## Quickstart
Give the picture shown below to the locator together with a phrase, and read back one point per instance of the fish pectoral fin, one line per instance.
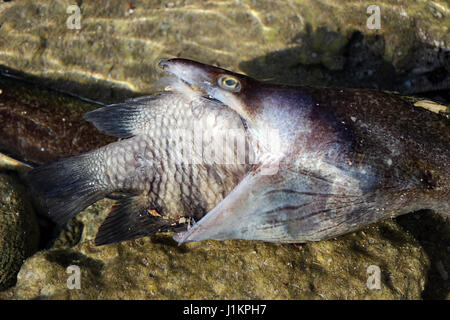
(284, 207)
(218, 223)
(129, 219)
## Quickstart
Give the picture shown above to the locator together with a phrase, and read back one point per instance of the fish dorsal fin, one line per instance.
(288, 206)
(128, 119)
(130, 219)
(140, 116)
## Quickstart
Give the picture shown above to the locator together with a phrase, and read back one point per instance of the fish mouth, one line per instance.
(200, 78)
(197, 76)
(204, 79)
(190, 72)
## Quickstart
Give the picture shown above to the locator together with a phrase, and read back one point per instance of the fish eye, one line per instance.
(229, 83)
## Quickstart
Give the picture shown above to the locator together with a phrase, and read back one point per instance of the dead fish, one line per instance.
(324, 161)
(165, 172)
(328, 160)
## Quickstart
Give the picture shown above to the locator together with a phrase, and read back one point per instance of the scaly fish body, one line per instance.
(165, 171)
(324, 162)
(329, 161)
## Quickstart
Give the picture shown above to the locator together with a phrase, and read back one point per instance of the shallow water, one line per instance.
(113, 57)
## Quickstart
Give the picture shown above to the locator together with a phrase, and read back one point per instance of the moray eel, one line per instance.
(313, 163)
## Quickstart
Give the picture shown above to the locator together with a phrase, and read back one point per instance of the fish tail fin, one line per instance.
(67, 186)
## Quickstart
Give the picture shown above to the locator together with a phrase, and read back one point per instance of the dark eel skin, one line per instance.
(40, 125)
(328, 161)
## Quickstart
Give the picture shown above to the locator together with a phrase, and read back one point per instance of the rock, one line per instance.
(114, 52)
(432, 231)
(19, 231)
(7, 294)
(84, 226)
(113, 57)
(157, 268)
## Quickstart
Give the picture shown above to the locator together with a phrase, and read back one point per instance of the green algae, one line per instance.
(118, 48)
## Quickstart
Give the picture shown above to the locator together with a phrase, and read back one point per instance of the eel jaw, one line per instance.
(179, 236)
(199, 78)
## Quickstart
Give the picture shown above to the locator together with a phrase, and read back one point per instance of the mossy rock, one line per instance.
(114, 53)
(19, 231)
(157, 268)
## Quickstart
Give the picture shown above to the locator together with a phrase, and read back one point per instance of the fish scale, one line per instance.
(160, 188)
(149, 164)
(319, 162)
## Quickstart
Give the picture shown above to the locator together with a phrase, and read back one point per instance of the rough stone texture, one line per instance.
(156, 268)
(19, 233)
(84, 226)
(321, 42)
(114, 53)
(432, 231)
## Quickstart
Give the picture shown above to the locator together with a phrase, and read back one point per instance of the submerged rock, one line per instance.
(156, 268)
(84, 226)
(113, 53)
(112, 57)
(19, 232)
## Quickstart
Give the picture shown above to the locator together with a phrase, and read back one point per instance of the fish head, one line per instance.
(293, 185)
(273, 114)
(232, 89)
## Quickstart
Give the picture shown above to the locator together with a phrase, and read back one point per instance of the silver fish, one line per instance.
(173, 167)
(319, 162)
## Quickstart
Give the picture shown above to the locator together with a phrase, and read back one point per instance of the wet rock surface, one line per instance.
(113, 56)
(156, 268)
(19, 233)
(114, 52)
